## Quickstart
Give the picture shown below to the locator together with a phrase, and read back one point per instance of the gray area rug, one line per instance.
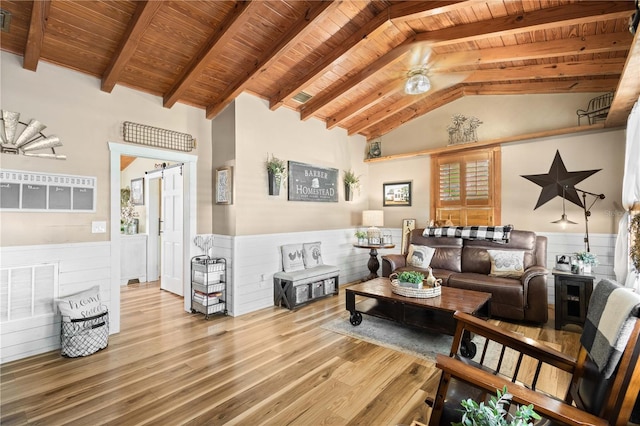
(389, 334)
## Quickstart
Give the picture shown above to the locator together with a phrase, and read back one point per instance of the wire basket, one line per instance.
(84, 336)
(421, 293)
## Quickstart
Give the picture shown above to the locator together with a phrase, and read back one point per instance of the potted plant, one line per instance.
(351, 183)
(412, 279)
(361, 236)
(494, 412)
(587, 260)
(277, 172)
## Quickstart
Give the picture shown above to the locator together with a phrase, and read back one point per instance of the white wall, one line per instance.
(261, 132)
(74, 108)
(501, 116)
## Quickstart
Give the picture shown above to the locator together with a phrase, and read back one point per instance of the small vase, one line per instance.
(274, 183)
(348, 193)
(587, 269)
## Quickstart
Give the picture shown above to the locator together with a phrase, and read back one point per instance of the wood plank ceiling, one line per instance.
(352, 57)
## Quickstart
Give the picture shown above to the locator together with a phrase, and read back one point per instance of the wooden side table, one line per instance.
(374, 263)
(573, 292)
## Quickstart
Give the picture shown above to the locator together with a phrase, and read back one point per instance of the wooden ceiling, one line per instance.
(352, 57)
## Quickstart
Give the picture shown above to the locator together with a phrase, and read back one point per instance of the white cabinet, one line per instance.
(133, 258)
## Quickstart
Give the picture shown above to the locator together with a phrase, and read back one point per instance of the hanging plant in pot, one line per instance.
(351, 184)
(277, 172)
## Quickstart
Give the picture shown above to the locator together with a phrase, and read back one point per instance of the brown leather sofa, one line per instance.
(464, 263)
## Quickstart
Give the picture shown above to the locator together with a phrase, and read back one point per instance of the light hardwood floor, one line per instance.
(276, 367)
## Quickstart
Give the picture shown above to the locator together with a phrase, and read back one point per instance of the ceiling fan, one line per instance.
(420, 78)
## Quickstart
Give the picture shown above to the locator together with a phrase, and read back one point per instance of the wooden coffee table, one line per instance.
(434, 314)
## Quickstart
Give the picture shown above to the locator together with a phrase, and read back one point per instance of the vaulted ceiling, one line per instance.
(350, 58)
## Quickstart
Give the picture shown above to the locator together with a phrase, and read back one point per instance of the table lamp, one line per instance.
(373, 219)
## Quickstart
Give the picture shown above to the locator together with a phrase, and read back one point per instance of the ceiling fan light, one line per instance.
(416, 84)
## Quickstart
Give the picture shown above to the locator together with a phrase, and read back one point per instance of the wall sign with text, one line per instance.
(32, 191)
(311, 183)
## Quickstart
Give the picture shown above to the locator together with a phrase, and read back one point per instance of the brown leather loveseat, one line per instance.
(465, 263)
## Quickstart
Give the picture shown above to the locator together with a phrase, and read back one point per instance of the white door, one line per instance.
(171, 275)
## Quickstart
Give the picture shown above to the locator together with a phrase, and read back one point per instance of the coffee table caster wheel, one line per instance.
(468, 350)
(355, 318)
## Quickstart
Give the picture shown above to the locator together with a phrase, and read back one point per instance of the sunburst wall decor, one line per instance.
(27, 139)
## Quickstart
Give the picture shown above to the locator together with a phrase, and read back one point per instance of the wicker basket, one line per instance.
(421, 293)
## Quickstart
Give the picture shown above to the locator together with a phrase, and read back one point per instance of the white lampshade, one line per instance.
(372, 218)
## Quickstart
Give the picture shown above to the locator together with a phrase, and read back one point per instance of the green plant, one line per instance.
(494, 412)
(276, 166)
(634, 250)
(351, 179)
(411, 277)
(360, 234)
(587, 258)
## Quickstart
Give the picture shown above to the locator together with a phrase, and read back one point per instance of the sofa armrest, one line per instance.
(391, 262)
(534, 287)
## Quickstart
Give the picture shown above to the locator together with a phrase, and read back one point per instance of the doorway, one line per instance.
(188, 211)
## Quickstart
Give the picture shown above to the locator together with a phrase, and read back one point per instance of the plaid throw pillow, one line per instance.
(497, 234)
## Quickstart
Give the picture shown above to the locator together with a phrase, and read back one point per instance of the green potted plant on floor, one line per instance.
(351, 184)
(277, 172)
(494, 413)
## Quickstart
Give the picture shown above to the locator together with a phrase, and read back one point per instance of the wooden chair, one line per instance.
(590, 399)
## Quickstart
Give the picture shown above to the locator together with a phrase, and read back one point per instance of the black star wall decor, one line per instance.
(558, 178)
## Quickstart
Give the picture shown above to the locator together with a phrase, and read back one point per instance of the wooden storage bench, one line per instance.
(292, 289)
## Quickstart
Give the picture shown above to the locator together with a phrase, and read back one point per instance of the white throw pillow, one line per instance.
(292, 259)
(81, 305)
(506, 263)
(420, 256)
(312, 254)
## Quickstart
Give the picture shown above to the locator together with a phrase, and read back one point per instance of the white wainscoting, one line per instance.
(603, 245)
(80, 266)
(257, 257)
(251, 260)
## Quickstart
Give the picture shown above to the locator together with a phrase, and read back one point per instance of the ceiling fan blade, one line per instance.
(443, 81)
(419, 56)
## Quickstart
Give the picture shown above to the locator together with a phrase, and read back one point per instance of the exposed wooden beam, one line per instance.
(560, 70)
(602, 43)
(286, 42)
(318, 102)
(400, 11)
(367, 102)
(531, 21)
(628, 89)
(543, 87)
(378, 24)
(544, 19)
(401, 116)
(410, 10)
(140, 21)
(35, 37)
(235, 22)
(394, 121)
(400, 104)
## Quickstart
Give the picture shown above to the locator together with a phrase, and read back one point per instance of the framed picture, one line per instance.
(408, 225)
(396, 194)
(224, 185)
(374, 150)
(137, 192)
